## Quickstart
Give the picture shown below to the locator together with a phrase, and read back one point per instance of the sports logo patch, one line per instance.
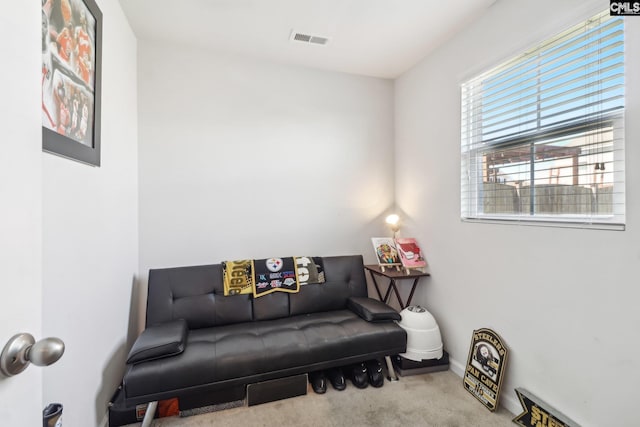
(274, 264)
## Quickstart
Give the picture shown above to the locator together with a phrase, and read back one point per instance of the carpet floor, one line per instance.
(431, 400)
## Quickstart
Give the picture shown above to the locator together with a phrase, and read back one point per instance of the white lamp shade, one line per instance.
(393, 221)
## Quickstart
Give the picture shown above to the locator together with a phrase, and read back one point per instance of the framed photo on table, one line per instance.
(71, 79)
(386, 252)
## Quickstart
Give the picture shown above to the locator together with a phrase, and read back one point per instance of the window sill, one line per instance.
(558, 223)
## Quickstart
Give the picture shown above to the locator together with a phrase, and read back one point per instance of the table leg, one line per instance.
(395, 290)
(375, 283)
(387, 294)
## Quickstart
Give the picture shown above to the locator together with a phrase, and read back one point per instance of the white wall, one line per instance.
(564, 300)
(20, 204)
(90, 242)
(247, 159)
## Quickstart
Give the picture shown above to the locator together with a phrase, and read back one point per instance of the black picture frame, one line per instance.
(72, 79)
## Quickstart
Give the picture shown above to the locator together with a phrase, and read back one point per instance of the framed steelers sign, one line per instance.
(485, 366)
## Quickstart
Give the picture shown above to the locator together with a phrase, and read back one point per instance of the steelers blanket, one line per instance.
(274, 274)
(237, 277)
(309, 270)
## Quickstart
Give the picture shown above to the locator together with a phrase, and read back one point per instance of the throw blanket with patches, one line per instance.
(309, 270)
(237, 277)
(274, 274)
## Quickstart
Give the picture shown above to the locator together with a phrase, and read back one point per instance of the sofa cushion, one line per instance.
(344, 278)
(271, 306)
(250, 349)
(195, 294)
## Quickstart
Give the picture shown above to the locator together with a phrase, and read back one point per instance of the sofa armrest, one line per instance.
(158, 341)
(372, 310)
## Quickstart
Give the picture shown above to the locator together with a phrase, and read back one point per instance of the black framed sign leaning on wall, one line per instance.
(71, 79)
(485, 367)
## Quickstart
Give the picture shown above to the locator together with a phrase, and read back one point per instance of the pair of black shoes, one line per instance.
(365, 373)
(318, 380)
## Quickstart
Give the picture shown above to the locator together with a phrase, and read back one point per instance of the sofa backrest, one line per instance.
(196, 294)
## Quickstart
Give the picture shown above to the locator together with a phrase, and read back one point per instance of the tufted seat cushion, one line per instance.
(246, 351)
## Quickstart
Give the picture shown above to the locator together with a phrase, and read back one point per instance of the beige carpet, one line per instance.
(430, 400)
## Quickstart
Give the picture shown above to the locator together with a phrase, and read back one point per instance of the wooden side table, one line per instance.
(393, 275)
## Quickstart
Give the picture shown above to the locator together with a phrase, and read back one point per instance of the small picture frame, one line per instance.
(72, 79)
(386, 253)
(411, 255)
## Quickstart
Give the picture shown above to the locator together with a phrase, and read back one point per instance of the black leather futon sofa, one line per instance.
(199, 341)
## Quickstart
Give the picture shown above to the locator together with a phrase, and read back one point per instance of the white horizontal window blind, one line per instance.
(543, 133)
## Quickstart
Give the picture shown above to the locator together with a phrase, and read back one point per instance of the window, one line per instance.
(543, 133)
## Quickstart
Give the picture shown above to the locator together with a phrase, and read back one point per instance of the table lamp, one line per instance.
(393, 221)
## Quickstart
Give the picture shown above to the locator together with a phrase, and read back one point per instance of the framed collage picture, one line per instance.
(386, 252)
(71, 79)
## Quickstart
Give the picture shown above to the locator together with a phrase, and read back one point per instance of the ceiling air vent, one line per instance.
(308, 38)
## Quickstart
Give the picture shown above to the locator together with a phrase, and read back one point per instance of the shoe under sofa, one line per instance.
(361, 375)
(201, 343)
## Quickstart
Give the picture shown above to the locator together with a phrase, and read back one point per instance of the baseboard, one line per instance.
(456, 367)
(508, 399)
